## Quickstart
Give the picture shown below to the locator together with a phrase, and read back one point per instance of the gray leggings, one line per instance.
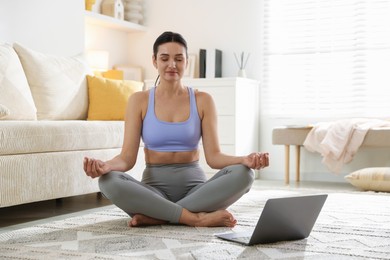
(166, 189)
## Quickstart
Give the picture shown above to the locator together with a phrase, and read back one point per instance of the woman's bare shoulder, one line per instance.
(139, 96)
(202, 96)
(204, 102)
(138, 102)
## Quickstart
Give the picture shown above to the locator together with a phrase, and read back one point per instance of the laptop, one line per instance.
(282, 219)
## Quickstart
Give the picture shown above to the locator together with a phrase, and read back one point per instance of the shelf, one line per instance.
(110, 22)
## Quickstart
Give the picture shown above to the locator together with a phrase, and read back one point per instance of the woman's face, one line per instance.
(171, 61)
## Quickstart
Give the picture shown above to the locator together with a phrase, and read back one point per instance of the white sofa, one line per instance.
(44, 131)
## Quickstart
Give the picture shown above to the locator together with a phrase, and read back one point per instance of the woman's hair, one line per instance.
(168, 37)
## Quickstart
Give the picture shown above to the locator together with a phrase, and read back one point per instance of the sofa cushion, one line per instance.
(58, 84)
(373, 179)
(15, 93)
(4, 111)
(22, 137)
(108, 97)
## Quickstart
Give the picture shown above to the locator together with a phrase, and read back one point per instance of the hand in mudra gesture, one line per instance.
(257, 160)
(95, 168)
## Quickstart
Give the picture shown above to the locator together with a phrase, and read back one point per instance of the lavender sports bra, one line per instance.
(164, 136)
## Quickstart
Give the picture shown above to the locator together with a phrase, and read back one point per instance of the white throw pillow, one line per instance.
(58, 84)
(15, 93)
(374, 179)
(4, 111)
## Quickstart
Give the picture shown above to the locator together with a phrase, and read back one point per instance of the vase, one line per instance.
(242, 73)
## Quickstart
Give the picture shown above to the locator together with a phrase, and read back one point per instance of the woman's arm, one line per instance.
(126, 160)
(214, 157)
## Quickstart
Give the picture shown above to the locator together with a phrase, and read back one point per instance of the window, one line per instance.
(326, 58)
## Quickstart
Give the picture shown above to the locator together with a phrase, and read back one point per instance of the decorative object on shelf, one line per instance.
(134, 11)
(210, 63)
(202, 63)
(213, 63)
(190, 70)
(113, 8)
(241, 73)
(241, 62)
(89, 4)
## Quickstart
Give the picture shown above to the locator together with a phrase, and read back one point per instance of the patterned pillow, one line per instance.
(374, 179)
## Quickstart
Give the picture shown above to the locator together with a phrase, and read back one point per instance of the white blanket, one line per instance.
(338, 141)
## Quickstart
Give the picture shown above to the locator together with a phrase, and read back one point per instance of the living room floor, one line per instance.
(23, 215)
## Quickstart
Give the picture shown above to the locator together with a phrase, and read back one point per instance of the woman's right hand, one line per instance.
(95, 168)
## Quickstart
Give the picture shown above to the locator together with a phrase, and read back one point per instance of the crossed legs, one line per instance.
(201, 204)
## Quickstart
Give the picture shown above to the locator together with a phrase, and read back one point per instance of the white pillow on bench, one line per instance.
(373, 179)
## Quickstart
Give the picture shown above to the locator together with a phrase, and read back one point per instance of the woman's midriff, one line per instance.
(154, 157)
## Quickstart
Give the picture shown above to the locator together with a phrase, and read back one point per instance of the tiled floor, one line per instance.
(17, 216)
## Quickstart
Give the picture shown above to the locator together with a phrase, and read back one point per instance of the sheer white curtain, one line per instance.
(326, 58)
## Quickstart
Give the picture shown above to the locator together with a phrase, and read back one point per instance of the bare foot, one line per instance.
(142, 220)
(219, 218)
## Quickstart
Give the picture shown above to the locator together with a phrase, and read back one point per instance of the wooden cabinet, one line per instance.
(236, 100)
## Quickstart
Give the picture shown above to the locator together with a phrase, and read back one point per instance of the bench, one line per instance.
(287, 136)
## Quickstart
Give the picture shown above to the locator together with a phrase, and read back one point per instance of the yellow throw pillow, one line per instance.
(108, 97)
(112, 74)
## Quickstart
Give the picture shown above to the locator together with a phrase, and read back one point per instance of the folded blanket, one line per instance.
(338, 141)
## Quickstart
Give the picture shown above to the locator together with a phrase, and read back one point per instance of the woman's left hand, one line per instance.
(256, 160)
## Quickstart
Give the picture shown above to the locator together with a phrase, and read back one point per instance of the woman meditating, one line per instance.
(171, 118)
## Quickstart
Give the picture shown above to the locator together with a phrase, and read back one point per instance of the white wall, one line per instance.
(228, 25)
(50, 26)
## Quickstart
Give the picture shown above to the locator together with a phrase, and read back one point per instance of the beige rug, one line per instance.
(351, 225)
